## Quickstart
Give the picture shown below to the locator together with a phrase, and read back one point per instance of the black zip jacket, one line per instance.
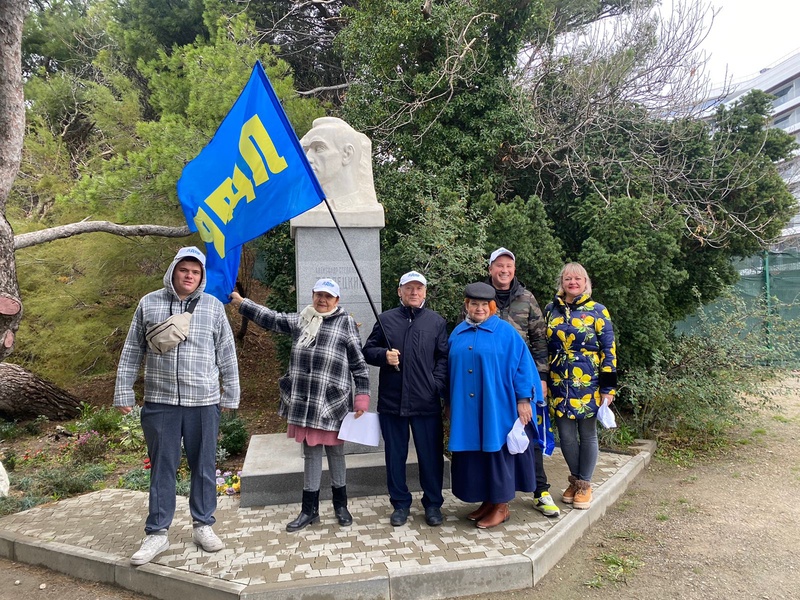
(420, 335)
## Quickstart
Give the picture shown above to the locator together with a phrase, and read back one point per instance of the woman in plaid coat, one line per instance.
(316, 392)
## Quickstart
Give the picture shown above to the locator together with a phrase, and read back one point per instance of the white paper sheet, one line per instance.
(364, 430)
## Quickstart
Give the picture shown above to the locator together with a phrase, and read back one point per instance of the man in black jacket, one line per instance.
(413, 376)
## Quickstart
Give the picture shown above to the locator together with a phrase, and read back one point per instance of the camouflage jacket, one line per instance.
(523, 312)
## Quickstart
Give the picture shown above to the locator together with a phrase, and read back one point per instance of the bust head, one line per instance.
(341, 158)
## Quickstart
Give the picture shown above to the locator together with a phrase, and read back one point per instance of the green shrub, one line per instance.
(35, 427)
(89, 446)
(132, 435)
(65, 481)
(705, 383)
(105, 420)
(138, 479)
(621, 437)
(10, 430)
(11, 504)
(10, 460)
(183, 485)
(233, 435)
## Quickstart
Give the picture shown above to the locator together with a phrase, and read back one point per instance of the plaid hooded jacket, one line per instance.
(190, 373)
(316, 391)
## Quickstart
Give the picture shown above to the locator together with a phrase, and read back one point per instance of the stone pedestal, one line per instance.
(273, 473)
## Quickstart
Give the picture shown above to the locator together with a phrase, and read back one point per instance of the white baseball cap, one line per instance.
(190, 252)
(326, 285)
(501, 252)
(413, 276)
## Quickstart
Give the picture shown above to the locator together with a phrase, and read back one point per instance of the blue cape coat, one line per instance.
(490, 369)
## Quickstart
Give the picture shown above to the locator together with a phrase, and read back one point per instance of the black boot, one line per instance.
(309, 513)
(340, 506)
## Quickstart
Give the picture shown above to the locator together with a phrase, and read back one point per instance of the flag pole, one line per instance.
(358, 272)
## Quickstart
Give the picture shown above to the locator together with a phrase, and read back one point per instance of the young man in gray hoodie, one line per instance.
(182, 398)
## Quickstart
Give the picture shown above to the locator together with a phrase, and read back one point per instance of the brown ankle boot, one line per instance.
(498, 515)
(483, 510)
(569, 494)
(583, 495)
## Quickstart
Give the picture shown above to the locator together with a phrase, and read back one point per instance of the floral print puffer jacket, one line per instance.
(582, 354)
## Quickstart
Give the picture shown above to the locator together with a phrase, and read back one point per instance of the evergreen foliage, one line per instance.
(560, 160)
(92, 150)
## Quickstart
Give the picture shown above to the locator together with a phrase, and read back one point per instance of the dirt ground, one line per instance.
(723, 528)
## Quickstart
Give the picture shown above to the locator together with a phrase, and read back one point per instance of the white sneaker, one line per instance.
(152, 546)
(205, 537)
(545, 505)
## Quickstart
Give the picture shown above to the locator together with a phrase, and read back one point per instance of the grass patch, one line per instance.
(618, 568)
(623, 505)
(628, 536)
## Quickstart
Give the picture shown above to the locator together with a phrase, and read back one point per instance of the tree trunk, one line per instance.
(12, 129)
(26, 396)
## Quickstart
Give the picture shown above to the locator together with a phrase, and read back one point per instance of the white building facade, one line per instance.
(783, 82)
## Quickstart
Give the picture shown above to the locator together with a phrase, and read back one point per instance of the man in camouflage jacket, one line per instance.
(518, 306)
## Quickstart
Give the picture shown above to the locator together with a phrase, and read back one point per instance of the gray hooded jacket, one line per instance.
(190, 373)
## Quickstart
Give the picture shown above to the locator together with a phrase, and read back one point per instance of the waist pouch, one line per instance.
(163, 337)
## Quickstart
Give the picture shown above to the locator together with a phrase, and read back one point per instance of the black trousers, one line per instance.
(429, 442)
(541, 476)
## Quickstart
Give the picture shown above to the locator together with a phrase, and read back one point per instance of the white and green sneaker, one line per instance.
(545, 505)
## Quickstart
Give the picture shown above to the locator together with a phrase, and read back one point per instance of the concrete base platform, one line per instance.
(273, 472)
(93, 536)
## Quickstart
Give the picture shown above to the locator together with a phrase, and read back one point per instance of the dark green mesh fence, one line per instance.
(769, 289)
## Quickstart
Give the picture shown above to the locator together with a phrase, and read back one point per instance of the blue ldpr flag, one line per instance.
(252, 176)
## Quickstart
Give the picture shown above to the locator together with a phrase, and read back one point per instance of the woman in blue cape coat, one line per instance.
(492, 376)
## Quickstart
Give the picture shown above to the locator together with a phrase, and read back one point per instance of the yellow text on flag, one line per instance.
(260, 154)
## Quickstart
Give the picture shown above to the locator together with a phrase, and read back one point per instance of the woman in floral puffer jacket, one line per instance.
(583, 375)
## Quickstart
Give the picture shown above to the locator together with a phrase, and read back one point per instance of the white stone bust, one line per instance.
(341, 158)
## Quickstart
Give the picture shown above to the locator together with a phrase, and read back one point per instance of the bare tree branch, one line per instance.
(24, 240)
(325, 88)
(643, 79)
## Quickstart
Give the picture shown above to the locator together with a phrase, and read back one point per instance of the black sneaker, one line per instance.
(399, 517)
(433, 516)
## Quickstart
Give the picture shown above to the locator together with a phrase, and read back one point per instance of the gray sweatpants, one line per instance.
(312, 466)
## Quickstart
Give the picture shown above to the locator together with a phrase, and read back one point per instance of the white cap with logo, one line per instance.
(501, 252)
(413, 276)
(326, 285)
(190, 252)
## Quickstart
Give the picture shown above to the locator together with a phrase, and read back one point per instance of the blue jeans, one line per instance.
(164, 426)
(578, 439)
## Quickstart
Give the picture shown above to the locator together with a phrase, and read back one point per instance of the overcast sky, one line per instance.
(749, 35)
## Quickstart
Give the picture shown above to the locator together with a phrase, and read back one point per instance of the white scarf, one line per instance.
(310, 321)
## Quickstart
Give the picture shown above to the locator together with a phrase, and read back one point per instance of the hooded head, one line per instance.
(186, 275)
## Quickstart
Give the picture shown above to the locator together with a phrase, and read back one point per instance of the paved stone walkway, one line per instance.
(96, 533)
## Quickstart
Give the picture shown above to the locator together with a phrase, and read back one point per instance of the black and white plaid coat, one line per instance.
(316, 392)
